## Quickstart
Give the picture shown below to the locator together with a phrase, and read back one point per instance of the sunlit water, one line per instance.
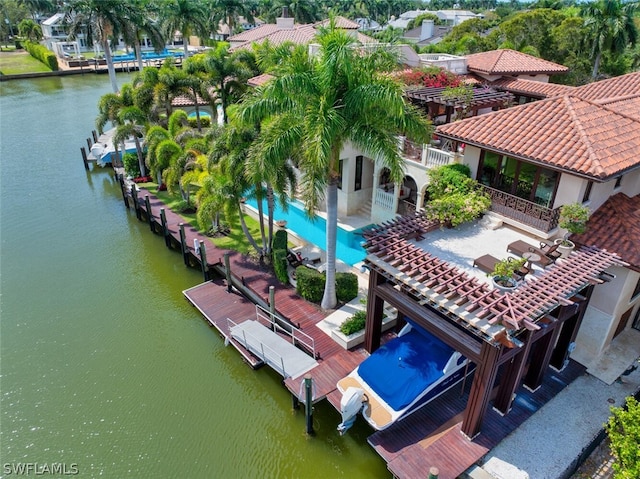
(103, 362)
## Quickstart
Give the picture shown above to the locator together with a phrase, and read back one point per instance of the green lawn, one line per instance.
(235, 240)
(20, 62)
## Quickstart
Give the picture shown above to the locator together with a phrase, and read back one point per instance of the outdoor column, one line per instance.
(375, 307)
(570, 327)
(510, 378)
(540, 356)
(483, 380)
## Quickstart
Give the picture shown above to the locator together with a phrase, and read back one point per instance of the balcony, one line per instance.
(425, 155)
(523, 211)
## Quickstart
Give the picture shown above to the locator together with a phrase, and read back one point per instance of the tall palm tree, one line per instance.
(100, 19)
(145, 21)
(611, 27)
(229, 11)
(132, 123)
(342, 95)
(187, 17)
(227, 74)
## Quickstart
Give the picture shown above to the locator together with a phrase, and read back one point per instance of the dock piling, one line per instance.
(308, 402)
(136, 203)
(165, 228)
(95, 136)
(203, 261)
(227, 271)
(147, 203)
(183, 245)
(83, 152)
(89, 144)
(433, 473)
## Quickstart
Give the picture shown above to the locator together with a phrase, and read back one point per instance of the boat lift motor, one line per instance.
(352, 402)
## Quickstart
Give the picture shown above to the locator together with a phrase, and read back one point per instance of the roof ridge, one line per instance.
(575, 118)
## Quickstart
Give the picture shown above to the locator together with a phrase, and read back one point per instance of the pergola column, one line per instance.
(375, 312)
(510, 379)
(573, 316)
(483, 381)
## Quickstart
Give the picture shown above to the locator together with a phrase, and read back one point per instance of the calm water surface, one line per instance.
(103, 362)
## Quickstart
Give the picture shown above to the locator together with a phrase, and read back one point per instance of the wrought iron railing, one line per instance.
(526, 212)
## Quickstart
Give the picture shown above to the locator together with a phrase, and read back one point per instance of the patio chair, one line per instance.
(550, 251)
(486, 263)
(295, 259)
(520, 247)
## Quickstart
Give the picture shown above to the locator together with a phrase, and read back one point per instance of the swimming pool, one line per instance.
(147, 56)
(348, 247)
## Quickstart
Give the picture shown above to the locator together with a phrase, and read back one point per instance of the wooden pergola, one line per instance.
(432, 101)
(522, 332)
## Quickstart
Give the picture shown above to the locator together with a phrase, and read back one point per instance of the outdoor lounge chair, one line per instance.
(295, 259)
(550, 251)
(520, 247)
(486, 263)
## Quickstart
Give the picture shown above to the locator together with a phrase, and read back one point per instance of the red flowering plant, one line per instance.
(430, 77)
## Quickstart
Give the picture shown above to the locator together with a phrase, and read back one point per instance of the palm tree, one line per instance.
(612, 28)
(132, 123)
(100, 19)
(228, 12)
(187, 17)
(144, 22)
(227, 75)
(30, 30)
(342, 95)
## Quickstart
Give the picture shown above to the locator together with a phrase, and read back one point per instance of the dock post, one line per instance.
(165, 228)
(308, 402)
(227, 271)
(295, 402)
(95, 136)
(272, 306)
(203, 261)
(88, 144)
(123, 188)
(433, 473)
(136, 203)
(147, 203)
(183, 245)
(83, 152)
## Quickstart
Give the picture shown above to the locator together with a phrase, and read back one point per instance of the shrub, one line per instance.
(573, 218)
(131, 165)
(280, 265)
(448, 179)
(457, 208)
(42, 54)
(346, 286)
(280, 240)
(310, 284)
(623, 429)
(354, 324)
(205, 122)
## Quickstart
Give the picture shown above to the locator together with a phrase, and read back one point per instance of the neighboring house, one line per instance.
(450, 18)
(286, 30)
(426, 34)
(581, 146)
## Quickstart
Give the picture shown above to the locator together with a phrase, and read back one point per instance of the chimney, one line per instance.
(284, 22)
(427, 29)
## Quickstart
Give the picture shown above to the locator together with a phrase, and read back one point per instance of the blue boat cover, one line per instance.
(403, 368)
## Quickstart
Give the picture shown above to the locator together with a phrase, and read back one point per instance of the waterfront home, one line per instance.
(579, 147)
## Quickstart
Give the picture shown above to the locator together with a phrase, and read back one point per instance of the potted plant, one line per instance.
(573, 218)
(503, 273)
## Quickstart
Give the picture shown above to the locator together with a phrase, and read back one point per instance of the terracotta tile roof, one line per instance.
(531, 87)
(509, 62)
(564, 132)
(615, 226)
(300, 34)
(617, 87)
(184, 100)
(341, 22)
(259, 80)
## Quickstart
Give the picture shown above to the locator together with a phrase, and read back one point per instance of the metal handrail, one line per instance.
(263, 354)
(296, 334)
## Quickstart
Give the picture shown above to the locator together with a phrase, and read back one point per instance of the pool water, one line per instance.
(147, 56)
(348, 248)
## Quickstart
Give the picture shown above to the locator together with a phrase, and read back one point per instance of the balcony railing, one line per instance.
(424, 154)
(383, 199)
(524, 211)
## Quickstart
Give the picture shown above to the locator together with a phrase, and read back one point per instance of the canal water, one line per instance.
(104, 366)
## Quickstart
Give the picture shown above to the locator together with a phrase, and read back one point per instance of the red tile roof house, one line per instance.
(581, 146)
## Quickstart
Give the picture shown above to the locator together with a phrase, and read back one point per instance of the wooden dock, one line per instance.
(430, 437)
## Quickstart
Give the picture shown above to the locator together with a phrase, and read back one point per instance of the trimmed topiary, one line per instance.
(280, 265)
(310, 284)
(346, 286)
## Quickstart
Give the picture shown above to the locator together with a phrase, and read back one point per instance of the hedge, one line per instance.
(42, 54)
(309, 284)
(280, 240)
(346, 287)
(205, 121)
(280, 265)
(354, 324)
